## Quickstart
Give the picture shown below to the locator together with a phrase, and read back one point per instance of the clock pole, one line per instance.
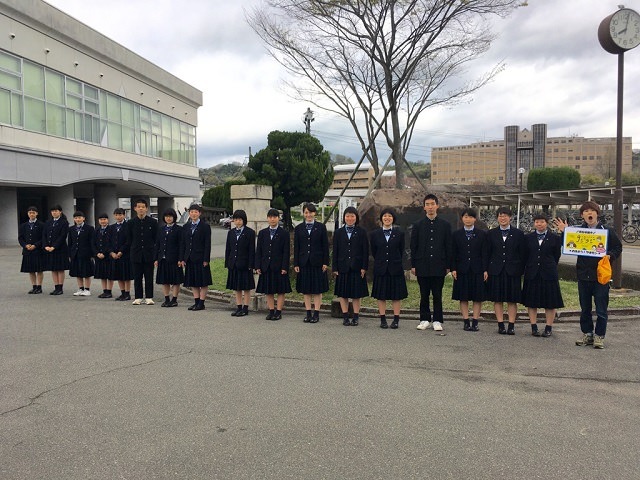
(617, 195)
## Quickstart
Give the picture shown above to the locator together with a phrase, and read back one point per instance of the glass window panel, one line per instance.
(145, 116)
(33, 78)
(114, 136)
(136, 117)
(55, 87)
(103, 105)
(127, 113)
(90, 92)
(16, 110)
(9, 62)
(144, 147)
(91, 107)
(113, 108)
(95, 129)
(10, 81)
(155, 123)
(156, 145)
(166, 148)
(55, 120)
(74, 102)
(34, 118)
(175, 131)
(128, 139)
(5, 107)
(166, 126)
(74, 125)
(74, 86)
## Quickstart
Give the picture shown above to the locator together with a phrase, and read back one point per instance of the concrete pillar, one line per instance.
(62, 196)
(106, 200)
(255, 200)
(163, 204)
(9, 217)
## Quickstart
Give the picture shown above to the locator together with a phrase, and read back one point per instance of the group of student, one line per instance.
(485, 265)
(122, 251)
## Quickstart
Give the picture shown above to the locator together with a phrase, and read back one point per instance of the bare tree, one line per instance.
(379, 63)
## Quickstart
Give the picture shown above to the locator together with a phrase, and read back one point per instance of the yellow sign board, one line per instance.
(588, 242)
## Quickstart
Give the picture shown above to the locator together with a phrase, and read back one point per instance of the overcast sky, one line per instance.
(556, 73)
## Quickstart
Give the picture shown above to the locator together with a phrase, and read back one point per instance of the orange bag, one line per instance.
(604, 270)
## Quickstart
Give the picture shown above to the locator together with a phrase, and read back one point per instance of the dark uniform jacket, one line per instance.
(431, 249)
(31, 234)
(196, 247)
(240, 252)
(54, 234)
(142, 236)
(81, 241)
(350, 254)
(387, 256)
(542, 258)
(119, 238)
(470, 255)
(587, 267)
(312, 249)
(273, 254)
(168, 244)
(102, 241)
(509, 254)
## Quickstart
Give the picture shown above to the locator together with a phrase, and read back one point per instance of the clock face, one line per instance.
(624, 28)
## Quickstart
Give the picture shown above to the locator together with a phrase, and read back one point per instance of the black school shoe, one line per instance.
(277, 316)
(173, 303)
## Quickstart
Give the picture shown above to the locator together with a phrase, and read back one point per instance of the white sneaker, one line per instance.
(149, 301)
(86, 293)
(78, 293)
(423, 325)
(137, 301)
(437, 326)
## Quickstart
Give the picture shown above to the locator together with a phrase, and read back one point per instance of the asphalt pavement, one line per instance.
(97, 389)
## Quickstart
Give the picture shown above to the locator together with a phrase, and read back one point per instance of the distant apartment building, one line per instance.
(498, 161)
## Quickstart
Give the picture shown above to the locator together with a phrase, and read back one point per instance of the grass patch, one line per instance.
(569, 292)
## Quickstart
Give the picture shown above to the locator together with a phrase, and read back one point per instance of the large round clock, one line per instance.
(620, 31)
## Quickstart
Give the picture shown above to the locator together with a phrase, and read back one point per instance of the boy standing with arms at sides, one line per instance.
(102, 249)
(272, 264)
(121, 262)
(431, 257)
(142, 230)
(588, 286)
(30, 239)
(81, 254)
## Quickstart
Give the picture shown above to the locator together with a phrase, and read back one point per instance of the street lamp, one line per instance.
(521, 173)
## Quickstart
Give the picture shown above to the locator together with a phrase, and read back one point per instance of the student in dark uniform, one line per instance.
(591, 291)
(387, 249)
(469, 268)
(507, 255)
(102, 250)
(541, 283)
(272, 264)
(350, 265)
(142, 231)
(81, 253)
(120, 260)
(431, 261)
(239, 258)
(54, 243)
(169, 271)
(311, 261)
(195, 256)
(30, 239)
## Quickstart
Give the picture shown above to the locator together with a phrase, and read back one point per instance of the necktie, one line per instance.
(193, 227)
(309, 228)
(505, 233)
(272, 232)
(238, 233)
(469, 234)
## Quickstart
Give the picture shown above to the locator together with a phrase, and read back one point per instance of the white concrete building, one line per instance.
(84, 121)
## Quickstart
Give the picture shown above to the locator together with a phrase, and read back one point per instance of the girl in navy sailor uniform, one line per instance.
(102, 250)
(272, 264)
(239, 258)
(169, 271)
(311, 261)
(195, 256)
(30, 239)
(506, 263)
(54, 243)
(387, 249)
(541, 284)
(121, 269)
(81, 254)
(469, 269)
(350, 265)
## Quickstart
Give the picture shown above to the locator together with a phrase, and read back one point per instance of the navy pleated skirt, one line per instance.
(56, 261)
(504, 288)
(81, 267)
(121, 269)
(32, 263)
(312, 280)
(469, 287)
(539, 293)
(197, 275)
(273, 282)
(102, 268)
(389, 287)
(351, 285)
(240, 279)
(169, 273)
